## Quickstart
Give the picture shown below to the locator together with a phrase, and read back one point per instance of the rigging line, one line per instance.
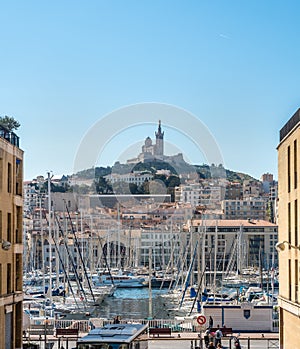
(104, 255)
(187, 280)
(80, 255)
(79, 284)
(167, 268)
(64, 269)
(200, 283)
(180, 264)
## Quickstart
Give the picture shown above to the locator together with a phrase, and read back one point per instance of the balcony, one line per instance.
(11, 137)
(288, 127)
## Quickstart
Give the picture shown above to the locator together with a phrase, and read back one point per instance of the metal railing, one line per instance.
(84, 326)
(185, 329)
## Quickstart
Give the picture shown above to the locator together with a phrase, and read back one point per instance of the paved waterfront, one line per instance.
(190, 341)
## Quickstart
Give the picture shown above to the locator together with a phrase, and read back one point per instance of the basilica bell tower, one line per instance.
(159, 145)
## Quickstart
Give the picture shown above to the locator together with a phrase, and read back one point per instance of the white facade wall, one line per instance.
(243, 209)
(134, 178)
(196, 194)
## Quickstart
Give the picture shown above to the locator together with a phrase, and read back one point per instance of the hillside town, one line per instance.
(135, 222)
(203, 231)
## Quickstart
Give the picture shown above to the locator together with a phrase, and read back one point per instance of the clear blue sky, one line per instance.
(233, 64)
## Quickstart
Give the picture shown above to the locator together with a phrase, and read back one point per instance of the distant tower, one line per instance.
(159, 145)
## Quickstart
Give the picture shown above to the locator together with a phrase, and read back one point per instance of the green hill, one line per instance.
(204, 171)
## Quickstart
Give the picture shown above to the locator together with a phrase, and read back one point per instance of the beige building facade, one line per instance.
(289, 238)
(11, 217)
(237, 243)
(253, 208)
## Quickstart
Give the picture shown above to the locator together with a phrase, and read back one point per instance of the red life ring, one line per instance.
(201, 319)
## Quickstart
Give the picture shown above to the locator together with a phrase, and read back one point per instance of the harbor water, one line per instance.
(133, 303)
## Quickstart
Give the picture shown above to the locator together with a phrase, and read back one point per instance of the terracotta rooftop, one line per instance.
(232, 223)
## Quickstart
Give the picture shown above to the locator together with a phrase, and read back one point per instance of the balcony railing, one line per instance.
(292, 122)
(10, 136)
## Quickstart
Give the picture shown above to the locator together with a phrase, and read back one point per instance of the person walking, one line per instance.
(206, 337)
(218, 336)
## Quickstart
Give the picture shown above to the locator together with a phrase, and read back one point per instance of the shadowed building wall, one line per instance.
(11, 249)
(288, 222)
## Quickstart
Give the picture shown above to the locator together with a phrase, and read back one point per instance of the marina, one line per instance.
(170, 277)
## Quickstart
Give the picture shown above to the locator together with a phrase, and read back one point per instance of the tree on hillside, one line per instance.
(102, 186)
(9, 123)
(160, 177)
(173, 181)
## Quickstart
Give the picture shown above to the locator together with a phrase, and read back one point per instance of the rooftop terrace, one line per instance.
(288, 127)
(10, 136)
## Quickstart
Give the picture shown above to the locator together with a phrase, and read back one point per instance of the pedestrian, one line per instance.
(117, 319)
(219, 346)
(206, 337)
(211, 322)
(211, 346)
(218, 336)
(237, 344)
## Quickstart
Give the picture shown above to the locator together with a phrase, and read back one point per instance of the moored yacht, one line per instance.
(120, 280)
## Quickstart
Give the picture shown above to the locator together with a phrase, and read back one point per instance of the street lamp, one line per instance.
(280, 246)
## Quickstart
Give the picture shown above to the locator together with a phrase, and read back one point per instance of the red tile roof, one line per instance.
(232, 223)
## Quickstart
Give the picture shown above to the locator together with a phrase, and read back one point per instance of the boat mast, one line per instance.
(42, 243)
(50, 237)
(118, 250)
(80, 255)
(57, 257)
(150, 284)
(60, 260)
(70, 258)
(239, 250)
(188, 276)
(215, 259)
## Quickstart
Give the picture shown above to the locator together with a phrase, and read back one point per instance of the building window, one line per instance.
(19, 282)
(19, 225)
(1, 173)
(289, 223)
(1, 237)
(19, 176)
(8, 279)
(296, 222)
(9, 226)
(289, 168)
(295, 163)
(9, 178)
(296, 281)
(290, 280)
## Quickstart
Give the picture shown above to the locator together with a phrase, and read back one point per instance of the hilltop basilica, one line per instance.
(155, 151)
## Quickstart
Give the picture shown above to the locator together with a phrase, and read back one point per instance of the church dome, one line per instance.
(148, 142)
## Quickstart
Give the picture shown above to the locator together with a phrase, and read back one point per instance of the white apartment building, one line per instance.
(30, 197)
(163, 246)
(242, 243)
(137, 178)
(206, 194)
(252, 208)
